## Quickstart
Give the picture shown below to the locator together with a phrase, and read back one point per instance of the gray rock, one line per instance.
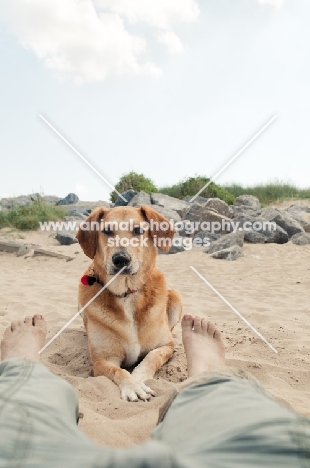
(50, 199)
(218, 222)
(160, 199)
(212, 236)
(4, 205)
(307, 227)
(141, 198)
(294, 208)
(220, 206)
(302, 238)
(298, 213)
(66, 237)
(243, 209)
(283, 219)
(169, 214)
(75, 217)
(23, 200)
(299, 217)
(234, 238)
(243, 219)
(230, 254)
(188, 229)
(176, 247)
(80, 210)
(210, 217)
(194, 212)
(254, 237)
(87, 206)
(70, 218)
(261, 230)
(277, 236)
(100, 204)
(35, 197)
(68, 200)
(203, 214)
(128, 195)
(205, 238)
(105, 204)
(248, 200)
(201, 200)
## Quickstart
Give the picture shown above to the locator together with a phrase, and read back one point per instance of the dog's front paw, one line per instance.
(133, 390)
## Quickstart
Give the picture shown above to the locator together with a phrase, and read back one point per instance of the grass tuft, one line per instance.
(27, 218)
(191, 185)
(270, 192)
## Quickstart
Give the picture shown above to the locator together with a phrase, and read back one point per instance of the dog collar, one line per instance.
(89, 280)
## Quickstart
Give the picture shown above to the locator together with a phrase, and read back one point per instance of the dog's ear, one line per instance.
(161, 229)
(87, 234)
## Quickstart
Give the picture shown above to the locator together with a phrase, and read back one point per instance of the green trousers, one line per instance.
(217, 421)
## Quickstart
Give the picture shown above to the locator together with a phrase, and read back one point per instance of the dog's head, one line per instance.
(125, 237)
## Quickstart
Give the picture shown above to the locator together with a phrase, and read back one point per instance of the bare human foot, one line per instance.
(203, 345)
(24, 338)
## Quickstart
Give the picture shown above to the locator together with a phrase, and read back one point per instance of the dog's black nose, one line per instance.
(121, 259)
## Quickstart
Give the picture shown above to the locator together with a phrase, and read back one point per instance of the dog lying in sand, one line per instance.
(133, 318)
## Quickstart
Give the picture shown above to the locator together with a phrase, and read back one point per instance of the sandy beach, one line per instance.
(269, 286)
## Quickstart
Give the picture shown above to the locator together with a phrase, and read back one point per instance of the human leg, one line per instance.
(38, 414)
(223, 420)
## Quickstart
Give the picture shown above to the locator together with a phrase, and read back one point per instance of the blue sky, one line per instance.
(167, 88)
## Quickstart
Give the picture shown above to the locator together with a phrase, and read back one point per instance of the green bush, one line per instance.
(270, 192)
(28, 217)
(192, 185)
(27, 222)
(137, 182)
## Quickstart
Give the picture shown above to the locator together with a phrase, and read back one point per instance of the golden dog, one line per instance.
(132, 318)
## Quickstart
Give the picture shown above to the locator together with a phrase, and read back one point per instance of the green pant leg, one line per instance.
(227, 422)
(38, 426)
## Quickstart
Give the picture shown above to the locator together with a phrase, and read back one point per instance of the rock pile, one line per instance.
(25, 200)
(220, 228)
(68, 200)
(245, 220)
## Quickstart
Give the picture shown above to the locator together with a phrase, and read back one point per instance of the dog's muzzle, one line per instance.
(121, 259)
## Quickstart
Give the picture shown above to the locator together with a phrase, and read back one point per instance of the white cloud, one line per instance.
(275, 3)
(88, 39)
(158, 13)
(171, 41)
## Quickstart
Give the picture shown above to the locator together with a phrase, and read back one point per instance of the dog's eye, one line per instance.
(138, 230)
(107, 232)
